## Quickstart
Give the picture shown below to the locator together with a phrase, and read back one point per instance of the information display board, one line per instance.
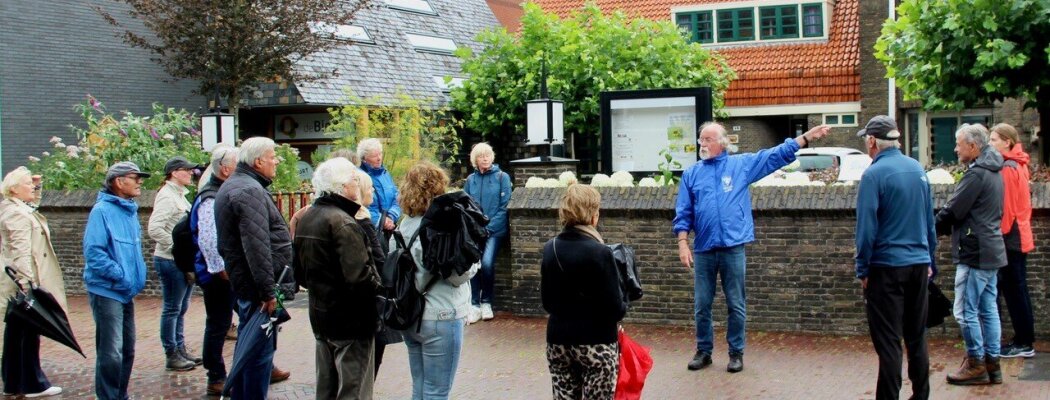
(638, 124)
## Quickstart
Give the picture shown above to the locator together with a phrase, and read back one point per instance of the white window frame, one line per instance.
(352, 33)
(430, 43)
(824, 119)
(418, 6)
(826, 14)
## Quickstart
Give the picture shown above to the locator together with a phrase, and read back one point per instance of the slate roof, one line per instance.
(390, 65)
(769, 73)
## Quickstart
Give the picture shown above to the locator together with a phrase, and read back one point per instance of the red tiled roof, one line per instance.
(769, 73)
(508, 12)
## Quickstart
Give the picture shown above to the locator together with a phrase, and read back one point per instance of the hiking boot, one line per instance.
(231, 334)
(186, 354)
(278, 375)
(215, 389)
(1015, 350)
(995, 374)
(736, 362)
(486, 312)
(474, 315)
(175, 362)
(971, 372)
(700, 360)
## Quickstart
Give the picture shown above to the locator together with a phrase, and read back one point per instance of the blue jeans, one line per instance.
(731, 264)
(976, 310)
(433, 355)
(114, 346)
(255, 382)
(484, 282)
(176, 294)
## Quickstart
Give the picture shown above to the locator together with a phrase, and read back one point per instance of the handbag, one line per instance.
(627, 266)
(939, 306)
(635, 364)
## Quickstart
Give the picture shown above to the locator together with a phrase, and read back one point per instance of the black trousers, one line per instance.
(218, 307)
(21, 364)
(1013, 286)
(896, 303)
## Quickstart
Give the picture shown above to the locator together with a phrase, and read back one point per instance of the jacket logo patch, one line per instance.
(727, 183)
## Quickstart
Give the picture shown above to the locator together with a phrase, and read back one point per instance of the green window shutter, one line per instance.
(736, 25)
(778, 22)
(812, 20)
(697, 24)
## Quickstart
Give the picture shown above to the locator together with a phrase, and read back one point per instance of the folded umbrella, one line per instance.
(256, 334)
(38, 310)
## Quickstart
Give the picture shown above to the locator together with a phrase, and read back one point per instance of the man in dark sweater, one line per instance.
(896, 241)
(254, 243)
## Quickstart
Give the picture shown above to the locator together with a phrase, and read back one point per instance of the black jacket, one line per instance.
(253, 236)
(375, 247)
(583, 294)
(974, 212)
(332, 261)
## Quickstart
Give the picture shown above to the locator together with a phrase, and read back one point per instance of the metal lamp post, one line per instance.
(217, 126)
(545, 118)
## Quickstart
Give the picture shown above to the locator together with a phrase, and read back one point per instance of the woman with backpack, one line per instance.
(491, 188)
(169, 207)
(434, 345)
(580, 289)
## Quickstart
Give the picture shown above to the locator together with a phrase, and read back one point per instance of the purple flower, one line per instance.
(153, 132)
(195, 132)
(123, 132)
(97, 105)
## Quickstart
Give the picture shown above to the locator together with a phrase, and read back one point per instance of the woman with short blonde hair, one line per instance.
(491, 188)
(580, 289)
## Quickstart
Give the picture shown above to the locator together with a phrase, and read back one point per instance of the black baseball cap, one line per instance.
(881, 127)
(180, 163)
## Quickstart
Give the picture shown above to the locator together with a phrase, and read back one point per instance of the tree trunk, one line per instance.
(1043, 106)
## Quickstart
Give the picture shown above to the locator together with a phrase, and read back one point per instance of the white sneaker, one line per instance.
(474, 315)
(51, 391)
(486, 311)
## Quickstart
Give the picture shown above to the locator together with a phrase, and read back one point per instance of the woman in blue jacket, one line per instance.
(384, 210)
(491, 188)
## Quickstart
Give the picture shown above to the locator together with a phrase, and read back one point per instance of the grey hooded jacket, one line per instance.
(974, 212)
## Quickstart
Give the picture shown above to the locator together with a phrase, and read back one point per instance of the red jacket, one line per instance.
(1017, 197)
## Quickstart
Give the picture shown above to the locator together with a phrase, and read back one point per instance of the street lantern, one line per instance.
(545, 118)
(217, 127)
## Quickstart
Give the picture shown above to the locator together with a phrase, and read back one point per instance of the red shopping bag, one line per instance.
(635, 364)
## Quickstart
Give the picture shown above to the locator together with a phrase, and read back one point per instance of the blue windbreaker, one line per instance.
(714, 200)
(113, 263)
(491, 190)
(385, 197)
(895, 225)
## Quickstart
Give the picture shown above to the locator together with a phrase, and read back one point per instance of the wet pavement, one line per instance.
(505, 359)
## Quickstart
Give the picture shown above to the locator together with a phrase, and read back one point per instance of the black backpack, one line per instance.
(183, 248)
(399, 303)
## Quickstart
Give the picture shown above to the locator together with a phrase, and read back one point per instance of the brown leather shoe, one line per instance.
(278, 375)
(232, 333)
(995, 373)
(971, 372)
(215, 389)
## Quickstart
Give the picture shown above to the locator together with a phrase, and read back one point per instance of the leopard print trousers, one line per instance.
(586, 372)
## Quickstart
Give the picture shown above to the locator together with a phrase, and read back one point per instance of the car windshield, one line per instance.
(816, 162)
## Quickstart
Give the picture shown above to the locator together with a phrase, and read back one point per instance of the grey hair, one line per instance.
(368, 146)
(883, 144)
(347, 154)
(480, 149)
(223, 155)
(973, 133)
(723, 135)
(331, 175)
(253, 148)
(12, 179)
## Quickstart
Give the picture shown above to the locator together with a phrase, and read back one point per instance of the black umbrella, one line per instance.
(939, 306)
(260, 329)
(38, 310)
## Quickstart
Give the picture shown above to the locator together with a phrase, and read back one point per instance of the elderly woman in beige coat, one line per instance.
(26, 247)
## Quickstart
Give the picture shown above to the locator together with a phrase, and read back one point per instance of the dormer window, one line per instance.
(419, 6)
(730, 23)
(431, 43)
(351, 33)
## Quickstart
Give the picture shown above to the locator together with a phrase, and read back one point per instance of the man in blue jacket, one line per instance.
(114, 272)
(896, 239)
(715, 203)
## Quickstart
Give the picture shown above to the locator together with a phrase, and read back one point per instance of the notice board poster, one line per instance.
(638, 125)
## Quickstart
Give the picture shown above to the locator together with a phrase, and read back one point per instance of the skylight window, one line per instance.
(344, 32)
(446, 87)
(421, 6)
(431, 43)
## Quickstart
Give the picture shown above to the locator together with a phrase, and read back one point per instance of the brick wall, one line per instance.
(800, 267)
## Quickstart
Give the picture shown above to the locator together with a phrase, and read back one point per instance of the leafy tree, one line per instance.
(409, 131)
(236, 44)
(953, 54)
(586, 53)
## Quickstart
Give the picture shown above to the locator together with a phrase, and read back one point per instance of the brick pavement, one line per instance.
(504, 359)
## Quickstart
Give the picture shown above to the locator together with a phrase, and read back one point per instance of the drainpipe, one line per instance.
(892, 92)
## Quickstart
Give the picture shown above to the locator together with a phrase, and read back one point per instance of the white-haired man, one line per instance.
(715, 204)
(332, 261)
(254, 245)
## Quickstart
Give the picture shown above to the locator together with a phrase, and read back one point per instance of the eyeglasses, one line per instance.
(136, 178)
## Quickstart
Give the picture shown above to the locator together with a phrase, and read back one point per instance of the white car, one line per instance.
(850, 162)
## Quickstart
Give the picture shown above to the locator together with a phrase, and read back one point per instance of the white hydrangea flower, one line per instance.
(33, 159)
(46, 154)
(55, 139)
(168, 136)
(940, 176)
(552, 182)
(648, 182)
(600, 180)
(534, 181)
(60, 164)
(567, 178)
(60, 145)
(622, 178)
